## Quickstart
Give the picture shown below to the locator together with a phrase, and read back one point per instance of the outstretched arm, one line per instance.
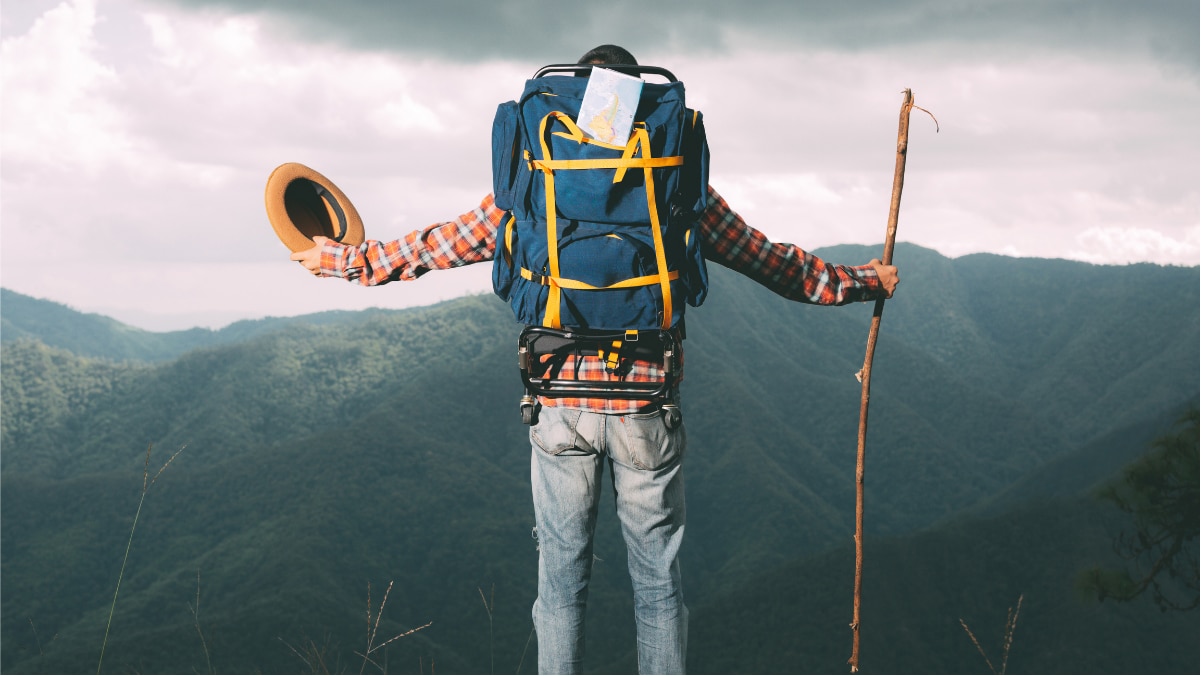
(787, 269)
(470, 238)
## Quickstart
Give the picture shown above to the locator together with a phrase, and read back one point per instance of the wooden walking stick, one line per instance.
(865, 374)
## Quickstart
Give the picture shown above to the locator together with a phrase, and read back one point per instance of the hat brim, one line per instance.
(302, 204)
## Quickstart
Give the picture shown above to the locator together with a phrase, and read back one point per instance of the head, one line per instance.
(607, 55)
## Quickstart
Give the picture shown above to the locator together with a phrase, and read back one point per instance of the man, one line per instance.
(573, 438)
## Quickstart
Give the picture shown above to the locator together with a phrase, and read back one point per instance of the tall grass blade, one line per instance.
(147, 482)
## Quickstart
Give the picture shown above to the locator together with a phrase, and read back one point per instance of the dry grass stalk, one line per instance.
(489, 604)
(196, 622)
(147, 482)
(1011, 623)
(373, 629)
(523, 651)
(313, 656)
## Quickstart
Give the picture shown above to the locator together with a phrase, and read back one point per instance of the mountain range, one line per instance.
(322, 457)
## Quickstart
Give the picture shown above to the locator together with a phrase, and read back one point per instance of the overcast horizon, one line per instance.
(136, 136)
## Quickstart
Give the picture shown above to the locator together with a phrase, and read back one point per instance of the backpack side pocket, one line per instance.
(506, 157)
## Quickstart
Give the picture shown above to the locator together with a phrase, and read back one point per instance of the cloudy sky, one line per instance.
(136, 136)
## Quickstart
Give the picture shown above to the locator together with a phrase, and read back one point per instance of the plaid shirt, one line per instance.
(727, 240)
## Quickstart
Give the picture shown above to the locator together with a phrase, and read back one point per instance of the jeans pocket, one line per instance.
(555, 432)
(650, 445)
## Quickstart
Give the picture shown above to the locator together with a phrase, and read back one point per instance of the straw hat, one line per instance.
(302, 204)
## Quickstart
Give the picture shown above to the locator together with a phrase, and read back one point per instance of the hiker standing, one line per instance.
(617, 407)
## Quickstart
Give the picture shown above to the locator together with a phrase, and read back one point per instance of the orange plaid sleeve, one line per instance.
(470, 238)
(786, 269)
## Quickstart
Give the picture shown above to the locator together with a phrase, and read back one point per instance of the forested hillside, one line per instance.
(324, 454)
(92, 335)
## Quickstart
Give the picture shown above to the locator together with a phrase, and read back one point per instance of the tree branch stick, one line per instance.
(865, 374)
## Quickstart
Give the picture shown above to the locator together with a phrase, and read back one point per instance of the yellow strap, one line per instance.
(626, 161)
(575, 132)
(552, 242)
(578, 137)
(551, 318)
(576, 285)
(621, 164)
(632, 147)
(508, 248)
(640, 139)
(613, 358)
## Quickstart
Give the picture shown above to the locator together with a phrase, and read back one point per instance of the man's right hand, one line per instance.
(311, 258)
(888, 276)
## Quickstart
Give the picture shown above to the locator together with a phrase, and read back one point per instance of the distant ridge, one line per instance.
(94, 335)
(326, 452)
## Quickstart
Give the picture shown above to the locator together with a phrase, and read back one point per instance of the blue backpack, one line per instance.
(599, 237)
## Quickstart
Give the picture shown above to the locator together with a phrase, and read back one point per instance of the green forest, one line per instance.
(307, 488)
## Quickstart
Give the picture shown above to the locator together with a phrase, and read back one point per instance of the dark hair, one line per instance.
(609, 54)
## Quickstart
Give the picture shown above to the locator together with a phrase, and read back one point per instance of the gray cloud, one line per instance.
(1068, 129)
(551, 32)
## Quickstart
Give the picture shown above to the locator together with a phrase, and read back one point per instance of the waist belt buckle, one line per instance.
(612, 357)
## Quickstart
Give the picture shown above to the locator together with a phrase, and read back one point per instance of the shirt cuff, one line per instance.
(337, 260)
(867, 277)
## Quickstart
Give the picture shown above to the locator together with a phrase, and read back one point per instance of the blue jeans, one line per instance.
(570, 448)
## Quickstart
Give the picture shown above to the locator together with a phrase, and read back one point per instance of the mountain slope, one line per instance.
(918, 588)
(322, 455)
(91, 335)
